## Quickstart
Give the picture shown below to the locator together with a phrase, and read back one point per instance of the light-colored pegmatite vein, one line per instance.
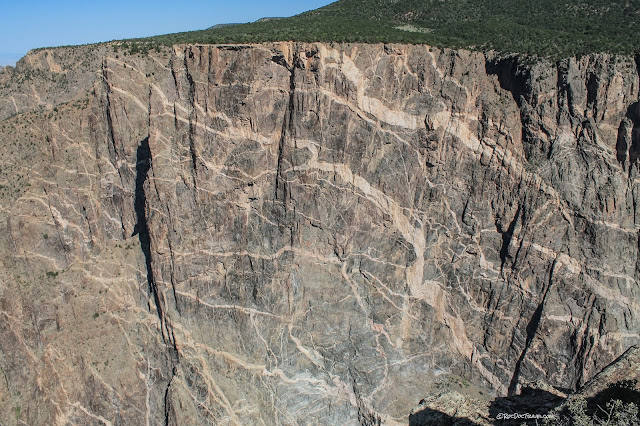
(412, 230)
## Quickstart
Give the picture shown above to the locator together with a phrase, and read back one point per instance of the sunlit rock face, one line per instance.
(310, 233)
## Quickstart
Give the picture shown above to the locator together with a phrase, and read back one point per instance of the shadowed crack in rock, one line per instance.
(141, 229)
(287, 124)
(507, 236)
(532, 329)
(143, 164)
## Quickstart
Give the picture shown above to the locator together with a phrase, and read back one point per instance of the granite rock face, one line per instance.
(313, 233)
(48, 77)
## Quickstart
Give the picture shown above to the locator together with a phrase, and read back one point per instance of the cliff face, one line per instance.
(314, 233)
(48, 77)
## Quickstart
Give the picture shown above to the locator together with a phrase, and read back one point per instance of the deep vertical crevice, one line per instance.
(511, 76)
(628, 139)
(592, 94)
(287, 123)
(507, 236)
(531, 330)
(623, 141)
(107, 91)
(111, 137)
(175, 77)
(192, 151)
(637, 274)
(143, 164)
(192, 85)
(633, 115)
(515, 77)
(584, 343)
(192, 100)
(167, 401)
(637, 60)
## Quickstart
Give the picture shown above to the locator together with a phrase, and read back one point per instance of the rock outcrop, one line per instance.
(618, 381)
(310, 233)
(539, 403)
(48, 77)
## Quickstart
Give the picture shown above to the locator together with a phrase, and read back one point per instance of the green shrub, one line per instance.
(542, 28)
(615, 413)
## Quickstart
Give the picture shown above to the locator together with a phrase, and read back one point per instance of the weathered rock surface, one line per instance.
(311, 233)
(624, 369)
(48, 77)
(539, 403)
(450, 408)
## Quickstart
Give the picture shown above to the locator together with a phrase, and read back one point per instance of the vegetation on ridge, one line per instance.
(547, 28)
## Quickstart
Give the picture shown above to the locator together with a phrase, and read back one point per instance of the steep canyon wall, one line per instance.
(310, 233)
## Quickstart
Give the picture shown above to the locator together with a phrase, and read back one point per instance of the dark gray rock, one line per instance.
(290, 233)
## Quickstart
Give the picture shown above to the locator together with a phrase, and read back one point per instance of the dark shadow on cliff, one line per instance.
(512, 77)
(143, 164)
(429, 417)
(532, 329)
(628, 141)
(534, 402)
(625, 391)
(529, 401)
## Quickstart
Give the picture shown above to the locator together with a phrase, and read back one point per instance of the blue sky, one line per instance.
(26, 24)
